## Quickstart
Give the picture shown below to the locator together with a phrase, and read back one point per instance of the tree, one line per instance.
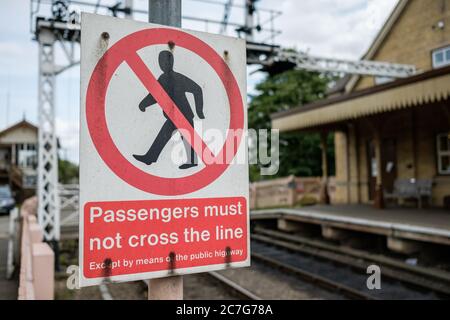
(67, 171)
(300, 153)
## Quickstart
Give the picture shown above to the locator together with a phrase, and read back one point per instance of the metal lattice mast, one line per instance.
(359, 67)
(48, 199)
(249, 19)
(273, 57)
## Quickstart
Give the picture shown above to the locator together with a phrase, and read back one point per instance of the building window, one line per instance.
(27, 155)
(441, 57)
(443, 153)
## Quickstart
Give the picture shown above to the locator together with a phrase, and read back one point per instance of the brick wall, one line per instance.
(413, 37)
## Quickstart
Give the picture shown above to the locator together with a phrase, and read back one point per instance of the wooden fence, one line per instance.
(288, 192)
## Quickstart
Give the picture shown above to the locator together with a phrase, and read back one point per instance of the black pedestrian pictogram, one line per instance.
(176, 86)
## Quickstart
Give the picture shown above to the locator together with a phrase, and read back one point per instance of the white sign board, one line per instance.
(163, 151)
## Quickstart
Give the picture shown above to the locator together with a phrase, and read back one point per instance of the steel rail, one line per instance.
(233, 286)
(229, 285)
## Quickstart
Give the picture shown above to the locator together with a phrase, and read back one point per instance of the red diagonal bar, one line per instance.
(167, 104)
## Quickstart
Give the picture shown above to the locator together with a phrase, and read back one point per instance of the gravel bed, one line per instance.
(63, 293)
(259, 279)
(136, 290)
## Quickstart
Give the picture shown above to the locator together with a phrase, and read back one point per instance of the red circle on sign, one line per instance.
(96, 111)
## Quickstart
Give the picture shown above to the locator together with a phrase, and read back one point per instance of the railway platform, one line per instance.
(404, 228)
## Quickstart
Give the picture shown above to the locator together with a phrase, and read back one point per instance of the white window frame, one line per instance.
(446, 57)
(27, 155)
(441, 153)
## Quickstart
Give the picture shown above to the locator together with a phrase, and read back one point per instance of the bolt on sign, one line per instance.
(163, 151)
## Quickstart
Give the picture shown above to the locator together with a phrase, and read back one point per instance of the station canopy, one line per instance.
(419, 90)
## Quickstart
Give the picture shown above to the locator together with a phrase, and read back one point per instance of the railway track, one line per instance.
(230, 286)
(233, 287)
(344, 269)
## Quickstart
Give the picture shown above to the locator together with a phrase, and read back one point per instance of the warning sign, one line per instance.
(163, 154)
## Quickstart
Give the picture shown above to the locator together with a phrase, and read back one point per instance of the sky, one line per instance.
(329, 28)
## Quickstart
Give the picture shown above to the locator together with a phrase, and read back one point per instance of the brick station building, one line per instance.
(388, 130)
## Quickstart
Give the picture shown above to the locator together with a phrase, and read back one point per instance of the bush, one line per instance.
(306, 201)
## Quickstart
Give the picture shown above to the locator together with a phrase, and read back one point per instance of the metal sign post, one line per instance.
(165, 12)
